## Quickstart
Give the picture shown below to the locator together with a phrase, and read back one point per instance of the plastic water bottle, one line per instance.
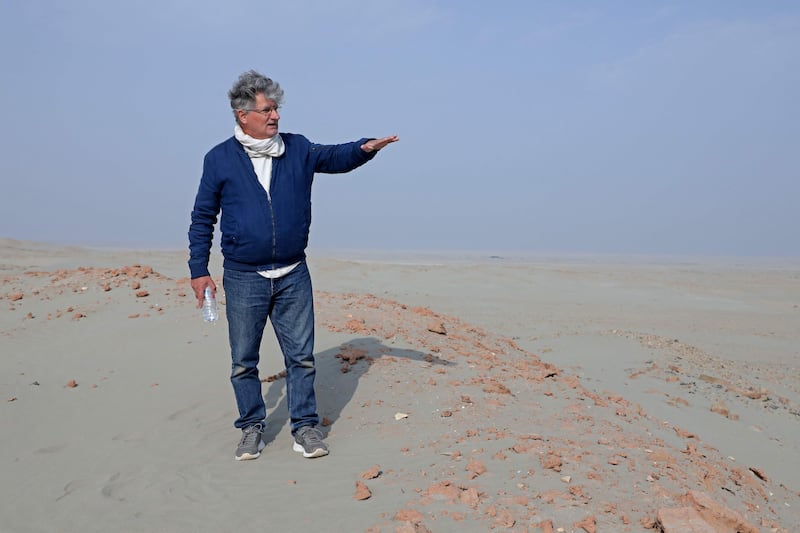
(209, 306)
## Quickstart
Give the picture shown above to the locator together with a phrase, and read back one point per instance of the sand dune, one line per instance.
(535, 395)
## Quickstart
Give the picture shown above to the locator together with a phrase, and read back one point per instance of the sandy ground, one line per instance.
(467, 394)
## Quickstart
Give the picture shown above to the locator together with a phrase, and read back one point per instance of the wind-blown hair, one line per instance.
(250, 83)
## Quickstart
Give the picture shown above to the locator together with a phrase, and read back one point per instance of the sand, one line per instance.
(460, 393)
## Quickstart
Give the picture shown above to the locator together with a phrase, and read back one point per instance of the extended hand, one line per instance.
(376, 144)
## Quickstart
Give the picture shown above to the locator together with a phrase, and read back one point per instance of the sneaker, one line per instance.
(308, 441)
(251, 444)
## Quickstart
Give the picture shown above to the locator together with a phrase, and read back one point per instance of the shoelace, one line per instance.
(309, 433)
(249, 434)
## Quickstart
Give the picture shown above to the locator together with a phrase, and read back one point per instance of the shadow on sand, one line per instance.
(354, 355)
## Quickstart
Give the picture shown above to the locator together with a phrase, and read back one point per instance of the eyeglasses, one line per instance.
(266, 111)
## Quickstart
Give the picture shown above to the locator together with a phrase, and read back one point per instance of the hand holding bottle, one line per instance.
(205, 292)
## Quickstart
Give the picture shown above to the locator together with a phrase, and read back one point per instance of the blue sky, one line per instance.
(589, 127)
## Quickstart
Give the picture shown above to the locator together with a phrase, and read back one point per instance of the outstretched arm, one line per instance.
(339, 158)
(376, 144)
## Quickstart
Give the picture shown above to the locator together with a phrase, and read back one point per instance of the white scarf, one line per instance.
(261, 152)
(271, 147)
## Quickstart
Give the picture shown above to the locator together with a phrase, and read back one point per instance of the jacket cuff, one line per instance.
(198, 271)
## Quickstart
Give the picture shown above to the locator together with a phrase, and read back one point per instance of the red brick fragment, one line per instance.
(362, 491)
(437, 327)
(372, 473)
(408, 515)
(589, 524)
(475, 469)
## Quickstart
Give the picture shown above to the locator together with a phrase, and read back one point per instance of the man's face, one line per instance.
(262, 122)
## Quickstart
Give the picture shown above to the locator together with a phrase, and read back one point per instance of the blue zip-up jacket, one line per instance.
(261, 232)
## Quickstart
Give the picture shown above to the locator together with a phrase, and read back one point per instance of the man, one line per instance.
(261, 181)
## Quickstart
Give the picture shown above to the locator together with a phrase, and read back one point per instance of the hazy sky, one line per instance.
(597, 126)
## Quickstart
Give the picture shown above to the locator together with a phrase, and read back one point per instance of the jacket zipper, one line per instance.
(272, 216)
(274, 235)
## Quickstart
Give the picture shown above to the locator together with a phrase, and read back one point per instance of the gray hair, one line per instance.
(250, 83)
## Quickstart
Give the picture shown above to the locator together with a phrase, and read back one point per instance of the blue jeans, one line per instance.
(288, 303)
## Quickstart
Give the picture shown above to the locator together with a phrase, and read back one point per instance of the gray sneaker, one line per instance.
(251, 444)
(308, 441)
